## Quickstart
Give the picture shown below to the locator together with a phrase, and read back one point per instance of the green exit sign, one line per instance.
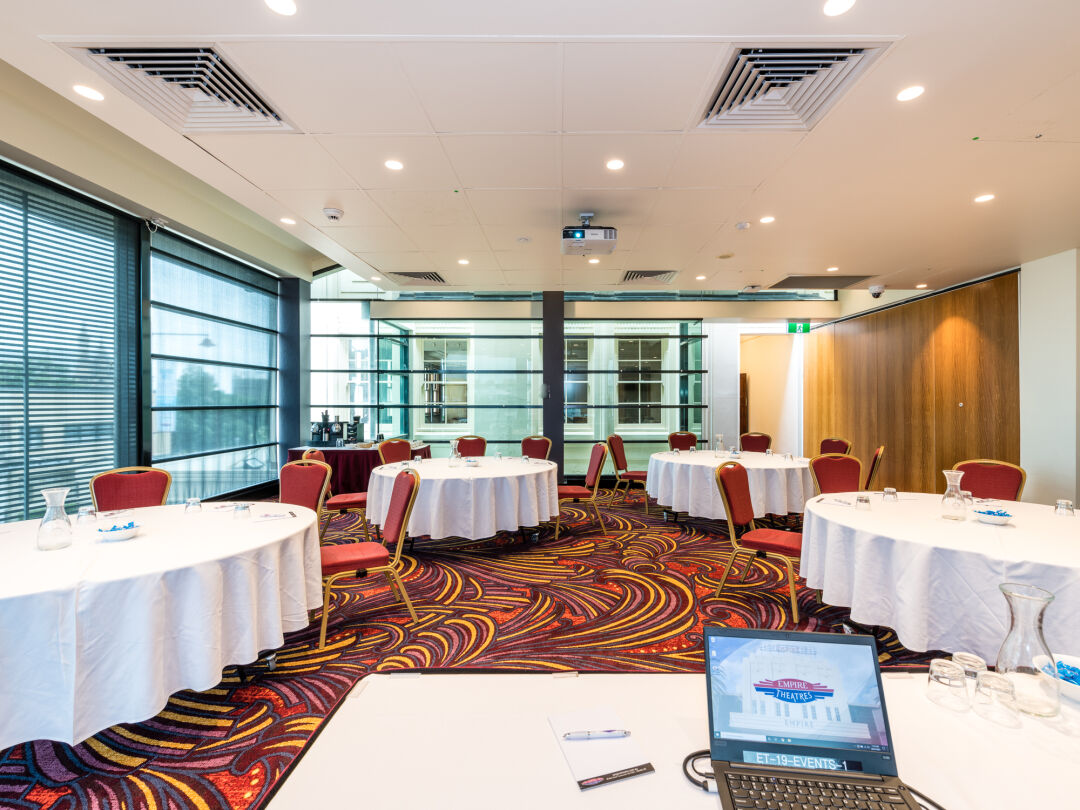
(798, 328)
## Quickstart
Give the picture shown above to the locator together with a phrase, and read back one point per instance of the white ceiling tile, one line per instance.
(505, 161)
(679, 242)
(653, 260)
(676, 206)
(647, 160)
(511, 207)
(614, 208)
(273, 161)
(446, 262)
(372, 240)
(448, 238)
(534, 280)
(576, 280)
(542, 238)
(637, 86)
(309, 204)
(486, 87)
(515, 261)
(477, 280)
(394, 262)
(724, 159)
(332, 86)
(364, 158)
(420, 208)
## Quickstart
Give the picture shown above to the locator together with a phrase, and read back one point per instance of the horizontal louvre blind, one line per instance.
(67, 329)
(214, 359)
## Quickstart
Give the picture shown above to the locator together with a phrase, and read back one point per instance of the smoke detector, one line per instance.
(333, 214)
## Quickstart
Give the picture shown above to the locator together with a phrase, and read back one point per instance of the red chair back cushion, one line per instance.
(393, 529)
(596, 463)
(302, 484)
(736, 486)
(682, 441)
(989, 480)
(314, 455)
(395, 450)
(472, 446)
(755, 442)
(835, 446)
(618, 452)
(837, 473)
(874, 462)
(130, 490)
(536, 447)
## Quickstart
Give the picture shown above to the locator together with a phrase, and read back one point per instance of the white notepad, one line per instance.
(598, 761)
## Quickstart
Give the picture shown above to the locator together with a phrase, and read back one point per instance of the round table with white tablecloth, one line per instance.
(471, 500)
(686, 482)
(935, 581)
(97, 634)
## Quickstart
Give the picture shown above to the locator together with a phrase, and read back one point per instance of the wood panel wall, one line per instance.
(936, 381)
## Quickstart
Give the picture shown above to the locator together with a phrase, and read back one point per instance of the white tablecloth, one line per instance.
(474, 502)
(935, 581)
(102, 633)
(687, 482)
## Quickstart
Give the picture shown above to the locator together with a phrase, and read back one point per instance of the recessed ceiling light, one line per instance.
(834, 8)
(700, 278)
(594, 261)
(831, 269)
(286, 8)
(376, 278)
(394, 165)
(908, 93)
(287, 221)
(615, 164)
(462, 261)
(920, 286)
(767, 220)
(89, 92)
(984, 198)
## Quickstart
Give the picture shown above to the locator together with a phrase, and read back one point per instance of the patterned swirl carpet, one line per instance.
(634, 601)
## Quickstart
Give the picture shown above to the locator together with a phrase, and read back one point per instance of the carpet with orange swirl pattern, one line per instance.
(633, 601)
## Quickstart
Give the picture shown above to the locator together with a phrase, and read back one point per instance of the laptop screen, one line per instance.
(804, 700)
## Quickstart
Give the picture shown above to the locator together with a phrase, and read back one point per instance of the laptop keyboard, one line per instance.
(785, 793)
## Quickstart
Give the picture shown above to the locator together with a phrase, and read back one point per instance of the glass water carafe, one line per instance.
(1024, 657)
(55, 529)
(455, 456)
(953, 506)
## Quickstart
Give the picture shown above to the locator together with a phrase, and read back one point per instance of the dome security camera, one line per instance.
(876, 290)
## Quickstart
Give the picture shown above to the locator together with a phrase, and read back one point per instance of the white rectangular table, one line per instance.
(483, 742)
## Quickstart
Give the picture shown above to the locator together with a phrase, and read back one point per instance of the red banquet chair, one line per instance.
(305, 483)
(394, 450)
(129, 488)
(538, 447)
(588, 492)
(622, 474)
(988, 478)
(835, 444)
(682, 440)
(734, 486)
(341, 504)
(836, 472)
(875, 466)
(471, 446)
(360, 559)
(755, 442)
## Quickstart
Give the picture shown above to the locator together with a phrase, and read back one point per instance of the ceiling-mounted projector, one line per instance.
(586, 239)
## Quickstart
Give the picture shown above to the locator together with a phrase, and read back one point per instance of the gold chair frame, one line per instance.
(737, 549)
(545, 438)
(620, 480)
(322, 492)
(875, 467)
(382, 457)
(164, 496)
(850, 446)
(753, 433)
(813, 475)
(397, 585)
(682, 433)
(473, 436)
(999, 462)
(329, 495)
(592, 500)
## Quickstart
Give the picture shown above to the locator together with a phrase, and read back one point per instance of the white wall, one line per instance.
(773, 366)
(1049, 362)
(721, 359)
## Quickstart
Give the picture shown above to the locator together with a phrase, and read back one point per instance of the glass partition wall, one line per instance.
(437, 380)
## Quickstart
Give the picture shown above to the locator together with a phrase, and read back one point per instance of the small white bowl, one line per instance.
(1069, 690)
(993, 520)
(472, 462)
(116, 535)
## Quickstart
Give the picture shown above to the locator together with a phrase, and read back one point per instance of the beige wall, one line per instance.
(773, 366)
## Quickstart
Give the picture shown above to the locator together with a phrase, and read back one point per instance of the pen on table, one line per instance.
(601, 734)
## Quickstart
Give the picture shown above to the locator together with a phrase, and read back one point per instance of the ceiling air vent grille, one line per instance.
(648, 277)
(784, 87)
(418, 279)
(191, 88)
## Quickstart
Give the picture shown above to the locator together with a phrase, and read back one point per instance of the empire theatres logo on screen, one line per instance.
(793, 690)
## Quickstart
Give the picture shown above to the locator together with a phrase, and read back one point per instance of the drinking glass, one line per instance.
(971, 663)
(691, 449)
(86, 517)
(969, 499)
(719, 445)
(417, 459)
(768, 451)
(862, 502)
(192, 505)
(995, 699)
(889, 495)
(946, 685)
(733, 451)
(241, 511)
(1064, 508)
(498, 454)
(675, 451)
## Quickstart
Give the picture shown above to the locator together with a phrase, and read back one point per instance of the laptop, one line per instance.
(797, 722)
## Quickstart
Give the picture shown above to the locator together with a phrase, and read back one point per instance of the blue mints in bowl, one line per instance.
(993, 513)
